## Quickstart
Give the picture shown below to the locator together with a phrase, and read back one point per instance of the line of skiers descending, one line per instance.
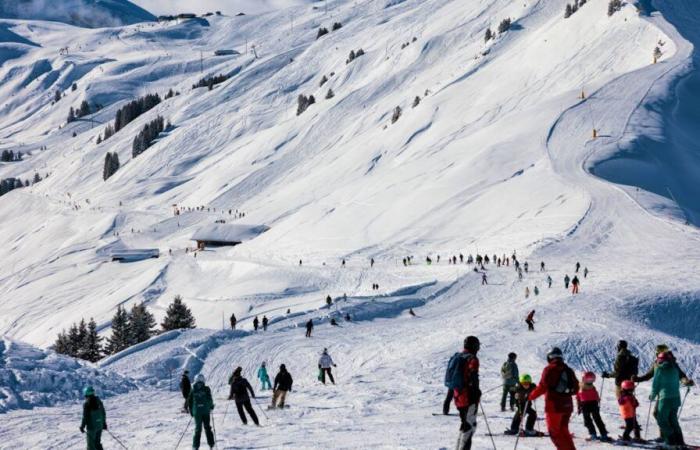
(559, 385)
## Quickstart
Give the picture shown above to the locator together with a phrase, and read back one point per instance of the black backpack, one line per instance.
(630, 367)
(567, 382)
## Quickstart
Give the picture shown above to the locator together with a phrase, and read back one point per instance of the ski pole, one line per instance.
(183, 433)
(520, 428)
(261, 408)
(486, 421)
(602, 383)
(646, 427)
(687, 391)
(213, 424)
(115, 438)
(492, 389)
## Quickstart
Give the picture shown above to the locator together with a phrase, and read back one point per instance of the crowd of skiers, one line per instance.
(560, 386)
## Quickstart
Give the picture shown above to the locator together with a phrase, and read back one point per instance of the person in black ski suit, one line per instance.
(626, 367)
(524, 407)
(233, 321)
(185, 388)
(239, 392)
(309, 327)
(283, 384)
(256, 323)
(566, 281)
(264, 323)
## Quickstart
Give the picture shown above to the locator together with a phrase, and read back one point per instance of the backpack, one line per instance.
(507, 371)
(200, 400)
(566, 383)
(631, 366)
(454, 375)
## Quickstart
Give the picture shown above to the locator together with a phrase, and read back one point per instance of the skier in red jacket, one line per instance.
(558, 383)
(467, 398)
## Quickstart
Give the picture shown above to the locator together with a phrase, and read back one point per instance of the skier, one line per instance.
(233, 321)
(626, 366)
(578, 266)
(527, 292)
(264, 323)
(542, 266)
(463, 375)
(263, 377)
(549, 281)
(536, 290)
(309, 327)
(185, 388)
(428, 261)
(484, 280)
(559, 384)
(530, 320)
(585, 272)
(525, 266)
(324, 365)
(566, 281)
(520, 274)
(329, 300)
(256, 323)
(588, 402)
(509, 375)
(200, 404)
(666, 387)
(371, 262)
(334, 323)
(94, 419)
(343, 262)
(347, 317)
(300, 262)
(283, 384)
(574, 285)
(628, 409)
(523, 407)
(239, 392)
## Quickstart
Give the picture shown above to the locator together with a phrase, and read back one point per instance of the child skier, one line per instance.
(628, 409)
(588, 401)
(94, 419)
(524, 406)
(264, 377)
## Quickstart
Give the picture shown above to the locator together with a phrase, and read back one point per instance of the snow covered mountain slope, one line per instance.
(82, 13)
(229, 7)
(492, 159)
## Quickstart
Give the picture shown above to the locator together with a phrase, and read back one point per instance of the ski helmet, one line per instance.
(199, 378)
(472, 343)
(89, 390)
(627, 385)
(525, 378)
(555, 353)
(588, 378)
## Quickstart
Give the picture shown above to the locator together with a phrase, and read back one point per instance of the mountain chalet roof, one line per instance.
(227, 234)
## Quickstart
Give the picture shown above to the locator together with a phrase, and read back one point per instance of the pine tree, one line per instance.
(178, 316)
(321, 31)
(79, 342)
(504, 25)
(416, 101)
(141, 324)
(397, 113)
(568, 11)
(62, 344)
(488, 35)
(323, 81)
(106, 170)
(57, 96)
(92, 343)
(37, 177)
(121, 336)
(330, 94)
(71, 115)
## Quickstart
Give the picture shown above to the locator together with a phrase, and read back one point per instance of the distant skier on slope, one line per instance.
(94, 419)
(283, 384)
(549, 281)
(334, 323)
(411, 312)
(463, 377)
(185, 388)
(233, 321)
(527, 292)
(256, 323)
(264, 377)
(239, 392)
(542, 266)
(200, 404)
(264, 323)
(484, 280)
(558, 383)
(536, 290)
(578, 266)
(325, 363)
(585, 272)
(309, 327)
(575, 284)
(530, 320)
(566, 281)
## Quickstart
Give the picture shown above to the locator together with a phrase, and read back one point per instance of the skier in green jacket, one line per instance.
(94, 419)
(200, 405)
(666, 386)
(264, 377)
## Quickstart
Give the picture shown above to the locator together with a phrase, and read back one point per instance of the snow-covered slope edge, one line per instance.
(82, 13)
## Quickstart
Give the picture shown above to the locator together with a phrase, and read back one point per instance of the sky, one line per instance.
(225, 6)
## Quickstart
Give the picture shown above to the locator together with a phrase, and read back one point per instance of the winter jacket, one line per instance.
(283, 381)
(200, 402)
(509, 373)
(558, 384)
(262, 374)
(94, 416)
(325, 362)
(666, 382)
(624, 367)
(185, 386)
(470, 393)
(587, 393)
(650, 373)
(522, 393)
(628, 405)
(240, 388)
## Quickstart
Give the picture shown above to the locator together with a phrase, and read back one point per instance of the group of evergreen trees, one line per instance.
(322, 31)
(147, 135)
(10, 156)
(504, 25)
(10, 184)
(128, 328)
(354, 55)
(572, 8)
(128, 113)
(303, 102)
(210, 82)
(111, 165)
(614, 6)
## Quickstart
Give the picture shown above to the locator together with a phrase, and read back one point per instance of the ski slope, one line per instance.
(496, 158)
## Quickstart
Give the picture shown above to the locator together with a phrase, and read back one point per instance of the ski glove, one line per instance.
(605, 375)
(82, 429)
(104, 427)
